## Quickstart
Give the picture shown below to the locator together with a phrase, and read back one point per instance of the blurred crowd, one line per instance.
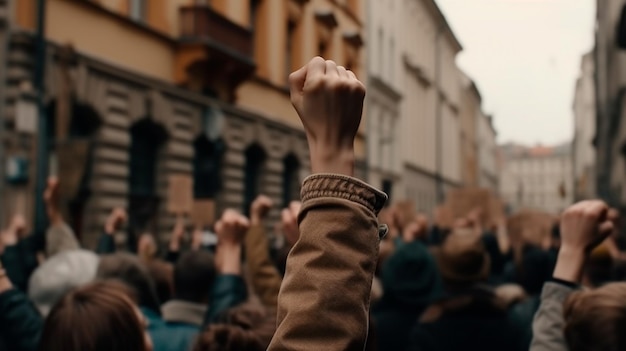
(349, 275)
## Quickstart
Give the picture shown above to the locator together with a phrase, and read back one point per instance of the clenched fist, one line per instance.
(329, 101)
(231, 228)
(259, 209)
(583, 226)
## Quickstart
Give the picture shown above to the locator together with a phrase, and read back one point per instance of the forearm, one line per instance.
(266, 279)
(324, 299)
(549, 323)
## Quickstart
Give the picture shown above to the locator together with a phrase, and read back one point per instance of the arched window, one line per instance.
(291, 179)
(147, 138)
(255, 160)
(207, 167)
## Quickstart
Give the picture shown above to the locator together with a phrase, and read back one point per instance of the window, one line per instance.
(255, 159)
(291, 181)
(137, 10)
(207, 165)
(289, 45)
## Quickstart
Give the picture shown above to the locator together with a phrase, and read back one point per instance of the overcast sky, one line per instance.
(524, 55)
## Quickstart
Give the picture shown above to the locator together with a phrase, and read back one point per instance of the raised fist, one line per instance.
(259, 209)
(329, 101)
(231, 228)
(115, 221)
(584, 226)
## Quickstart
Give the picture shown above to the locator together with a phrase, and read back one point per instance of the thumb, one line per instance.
(296, 82)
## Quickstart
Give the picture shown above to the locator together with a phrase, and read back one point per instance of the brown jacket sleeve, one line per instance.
(324, 300)
(265, 277)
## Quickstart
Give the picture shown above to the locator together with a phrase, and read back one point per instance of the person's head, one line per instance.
(596, 319)
(59, 274)
(97, 317)
(131, 271)
(242, 328)
(194, 274)
(410, 278)
(463, 260)
(162, 274)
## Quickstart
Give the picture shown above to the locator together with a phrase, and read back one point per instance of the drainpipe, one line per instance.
(42, 135)
(438, 118)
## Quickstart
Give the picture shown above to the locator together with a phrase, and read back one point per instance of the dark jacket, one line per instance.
(470, 321)
(20, 322)
(411, 283)
(20, 261)
(182, 322)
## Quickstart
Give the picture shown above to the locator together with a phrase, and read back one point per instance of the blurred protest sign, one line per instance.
(72, 159)
(406, 212)
(203, 213)
(180, 194)
(529, 227)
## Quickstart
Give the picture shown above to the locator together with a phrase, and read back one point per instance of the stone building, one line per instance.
(138, 91)
(430, 82)
(536, 177)
(584, 110)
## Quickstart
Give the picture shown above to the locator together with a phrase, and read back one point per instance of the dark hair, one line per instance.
(130, 270)
(97, 317)
(162, 273)
(245, 327)
(194, 274)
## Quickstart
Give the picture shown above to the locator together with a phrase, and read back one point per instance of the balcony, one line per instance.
(215, 53)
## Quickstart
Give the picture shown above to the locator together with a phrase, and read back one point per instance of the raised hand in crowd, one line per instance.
(196, 238)
(116, 220)
(332, 265)
(231, 230)
(583, 227)
(416, 229)
(329, 101)
(259, 209)
(178, 234)
(289, 223)
(146, 247)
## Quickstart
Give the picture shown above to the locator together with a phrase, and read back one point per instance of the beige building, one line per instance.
(584, 109)
(384, 97)
(536, 177)
(487, 153)
(610, 83)
(151, 89)
(470, 113)
(430, 128)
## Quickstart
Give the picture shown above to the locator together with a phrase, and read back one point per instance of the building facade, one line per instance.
(430, 82)
(487, 153)
(470, 113)
(383, 101)
(584, 108)
(610, 87)
(536, 177)
(139, 91)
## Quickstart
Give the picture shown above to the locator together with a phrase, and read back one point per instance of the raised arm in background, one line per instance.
(115, 221)
(583, 227)
(324, 300)
(263, 273)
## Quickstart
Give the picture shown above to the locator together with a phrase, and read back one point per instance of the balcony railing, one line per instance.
(202, 23)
